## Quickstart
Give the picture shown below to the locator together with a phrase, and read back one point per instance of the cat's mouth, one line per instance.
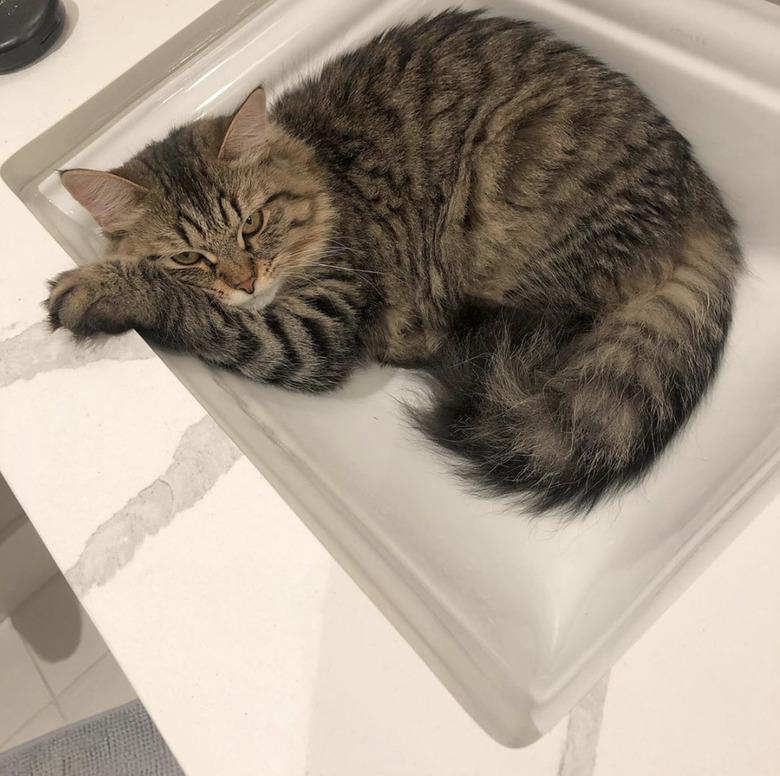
(261, 297)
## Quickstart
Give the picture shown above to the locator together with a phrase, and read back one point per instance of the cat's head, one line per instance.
(233, 205)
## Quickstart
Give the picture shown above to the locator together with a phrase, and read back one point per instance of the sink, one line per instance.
(518, 618)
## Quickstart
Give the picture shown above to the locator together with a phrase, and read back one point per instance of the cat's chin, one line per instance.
(258, 302)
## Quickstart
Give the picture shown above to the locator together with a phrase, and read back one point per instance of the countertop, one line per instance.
(250, 647)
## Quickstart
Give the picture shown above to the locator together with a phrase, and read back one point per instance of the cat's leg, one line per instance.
(306, 341)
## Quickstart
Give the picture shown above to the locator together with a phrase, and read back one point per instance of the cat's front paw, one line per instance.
(96, 299)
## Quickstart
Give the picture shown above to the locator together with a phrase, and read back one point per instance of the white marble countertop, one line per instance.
(252, 650)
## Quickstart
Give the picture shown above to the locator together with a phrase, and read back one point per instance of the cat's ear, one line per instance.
(247, 131)
(113, 202)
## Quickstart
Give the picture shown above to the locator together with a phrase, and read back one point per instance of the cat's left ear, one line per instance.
(113, 202)
(247, 131)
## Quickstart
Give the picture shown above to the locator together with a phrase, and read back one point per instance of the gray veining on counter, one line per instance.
(37, 349)
(203, 455)
(582, 736)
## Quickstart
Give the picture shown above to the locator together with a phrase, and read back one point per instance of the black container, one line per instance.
(28, 29)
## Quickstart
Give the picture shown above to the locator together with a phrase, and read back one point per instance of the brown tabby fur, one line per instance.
(465, 195)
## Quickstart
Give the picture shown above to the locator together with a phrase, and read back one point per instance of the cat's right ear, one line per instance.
(247, 132)
(113, 202)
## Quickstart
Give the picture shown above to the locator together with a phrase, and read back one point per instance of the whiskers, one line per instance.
(333, 255)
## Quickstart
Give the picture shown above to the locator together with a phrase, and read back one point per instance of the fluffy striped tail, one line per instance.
(561, 419)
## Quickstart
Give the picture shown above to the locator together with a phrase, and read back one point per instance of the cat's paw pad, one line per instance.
(88, 301)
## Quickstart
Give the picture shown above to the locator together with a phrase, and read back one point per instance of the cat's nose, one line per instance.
(248, 284)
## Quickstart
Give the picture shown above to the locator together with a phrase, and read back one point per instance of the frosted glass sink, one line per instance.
(517, 618)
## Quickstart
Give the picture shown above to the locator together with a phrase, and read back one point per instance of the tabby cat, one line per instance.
(464, 195)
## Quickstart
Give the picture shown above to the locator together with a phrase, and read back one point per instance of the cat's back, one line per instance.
(423, 83)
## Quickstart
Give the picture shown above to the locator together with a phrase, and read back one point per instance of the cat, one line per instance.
(463, 195)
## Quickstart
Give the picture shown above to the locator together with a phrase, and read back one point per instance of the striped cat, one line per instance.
(464, 195)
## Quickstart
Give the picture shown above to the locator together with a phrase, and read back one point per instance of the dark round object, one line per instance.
(28, 29)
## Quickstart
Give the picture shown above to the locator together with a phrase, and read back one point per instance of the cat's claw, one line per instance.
(59, 288)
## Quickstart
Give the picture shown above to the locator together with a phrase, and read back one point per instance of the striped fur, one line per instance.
(465, 195)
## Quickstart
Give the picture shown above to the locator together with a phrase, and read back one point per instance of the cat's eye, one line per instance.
(253, 224)
(187, 257)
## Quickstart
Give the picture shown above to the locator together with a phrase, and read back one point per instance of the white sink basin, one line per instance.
(518, 619)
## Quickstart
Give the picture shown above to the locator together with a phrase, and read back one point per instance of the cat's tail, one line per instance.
(561, 423)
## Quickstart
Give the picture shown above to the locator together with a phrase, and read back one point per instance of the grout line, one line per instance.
(57, 706)
(54, 698)
(16, 524)
(31, 656)
(26, 722)
(45, 681)
(67, 687)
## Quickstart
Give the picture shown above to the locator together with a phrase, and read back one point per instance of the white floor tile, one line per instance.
(25, 565)
(61, 637)
(43, 722)
(22, 691)
(102, 687)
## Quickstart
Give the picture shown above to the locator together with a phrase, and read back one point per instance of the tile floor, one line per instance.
(55, 668)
